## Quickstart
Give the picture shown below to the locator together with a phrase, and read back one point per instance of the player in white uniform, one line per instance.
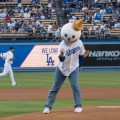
(9, 58)
(71, 53)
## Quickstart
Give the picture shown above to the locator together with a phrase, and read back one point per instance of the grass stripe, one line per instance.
(9, 108)
(45, 80)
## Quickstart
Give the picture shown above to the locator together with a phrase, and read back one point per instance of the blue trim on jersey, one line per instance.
(61, 58)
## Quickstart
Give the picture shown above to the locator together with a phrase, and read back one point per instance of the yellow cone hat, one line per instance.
(77, 24)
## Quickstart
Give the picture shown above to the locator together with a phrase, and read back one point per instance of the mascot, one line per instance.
(71, 53)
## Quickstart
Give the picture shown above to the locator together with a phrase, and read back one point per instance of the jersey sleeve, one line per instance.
(82, 49)
(3, 55)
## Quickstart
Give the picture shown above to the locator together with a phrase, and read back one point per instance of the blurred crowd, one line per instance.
(99, 32)
(6, 0)
(19, 1)
(27, 19)
(94, 14)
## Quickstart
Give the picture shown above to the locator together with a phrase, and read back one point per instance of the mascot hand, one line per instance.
(86, 53)
(62, 52)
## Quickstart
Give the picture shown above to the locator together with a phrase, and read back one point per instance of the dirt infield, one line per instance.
(65, 93)
(89, 112)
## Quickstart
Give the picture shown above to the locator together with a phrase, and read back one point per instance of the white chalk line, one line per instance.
(108, 106)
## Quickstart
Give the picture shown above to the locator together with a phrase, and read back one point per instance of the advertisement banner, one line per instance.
(103, 55)
(42, 56)
(47, 55)
(20, 53)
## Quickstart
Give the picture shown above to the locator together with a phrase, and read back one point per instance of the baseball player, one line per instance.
(71, 53)
(9, 58)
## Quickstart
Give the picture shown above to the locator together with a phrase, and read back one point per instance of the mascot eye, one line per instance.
(65, 35)
(73, 36)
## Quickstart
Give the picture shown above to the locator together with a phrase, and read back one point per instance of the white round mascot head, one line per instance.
(71, 32)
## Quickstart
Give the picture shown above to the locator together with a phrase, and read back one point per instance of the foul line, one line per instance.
(108, 106)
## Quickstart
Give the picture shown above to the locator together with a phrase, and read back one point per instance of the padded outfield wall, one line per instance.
(44, 56)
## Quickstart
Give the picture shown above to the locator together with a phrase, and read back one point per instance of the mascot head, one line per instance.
(71, 32)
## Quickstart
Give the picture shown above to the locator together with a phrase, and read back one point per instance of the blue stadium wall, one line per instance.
(42, 56)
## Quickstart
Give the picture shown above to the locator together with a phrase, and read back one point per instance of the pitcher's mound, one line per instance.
(89, 113)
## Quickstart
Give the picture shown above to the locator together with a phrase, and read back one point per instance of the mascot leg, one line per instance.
(59, 79)
(74, 77)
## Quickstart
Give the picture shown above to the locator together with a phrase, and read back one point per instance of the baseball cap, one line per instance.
(11, 48)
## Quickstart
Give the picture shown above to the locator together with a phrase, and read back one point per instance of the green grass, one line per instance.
(9, 108)
(45, 80)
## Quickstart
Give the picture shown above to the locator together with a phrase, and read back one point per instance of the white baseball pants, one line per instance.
(8, 69)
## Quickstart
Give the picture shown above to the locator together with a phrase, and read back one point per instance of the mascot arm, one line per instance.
(61, 56)
(86, 53)
(81, 59)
